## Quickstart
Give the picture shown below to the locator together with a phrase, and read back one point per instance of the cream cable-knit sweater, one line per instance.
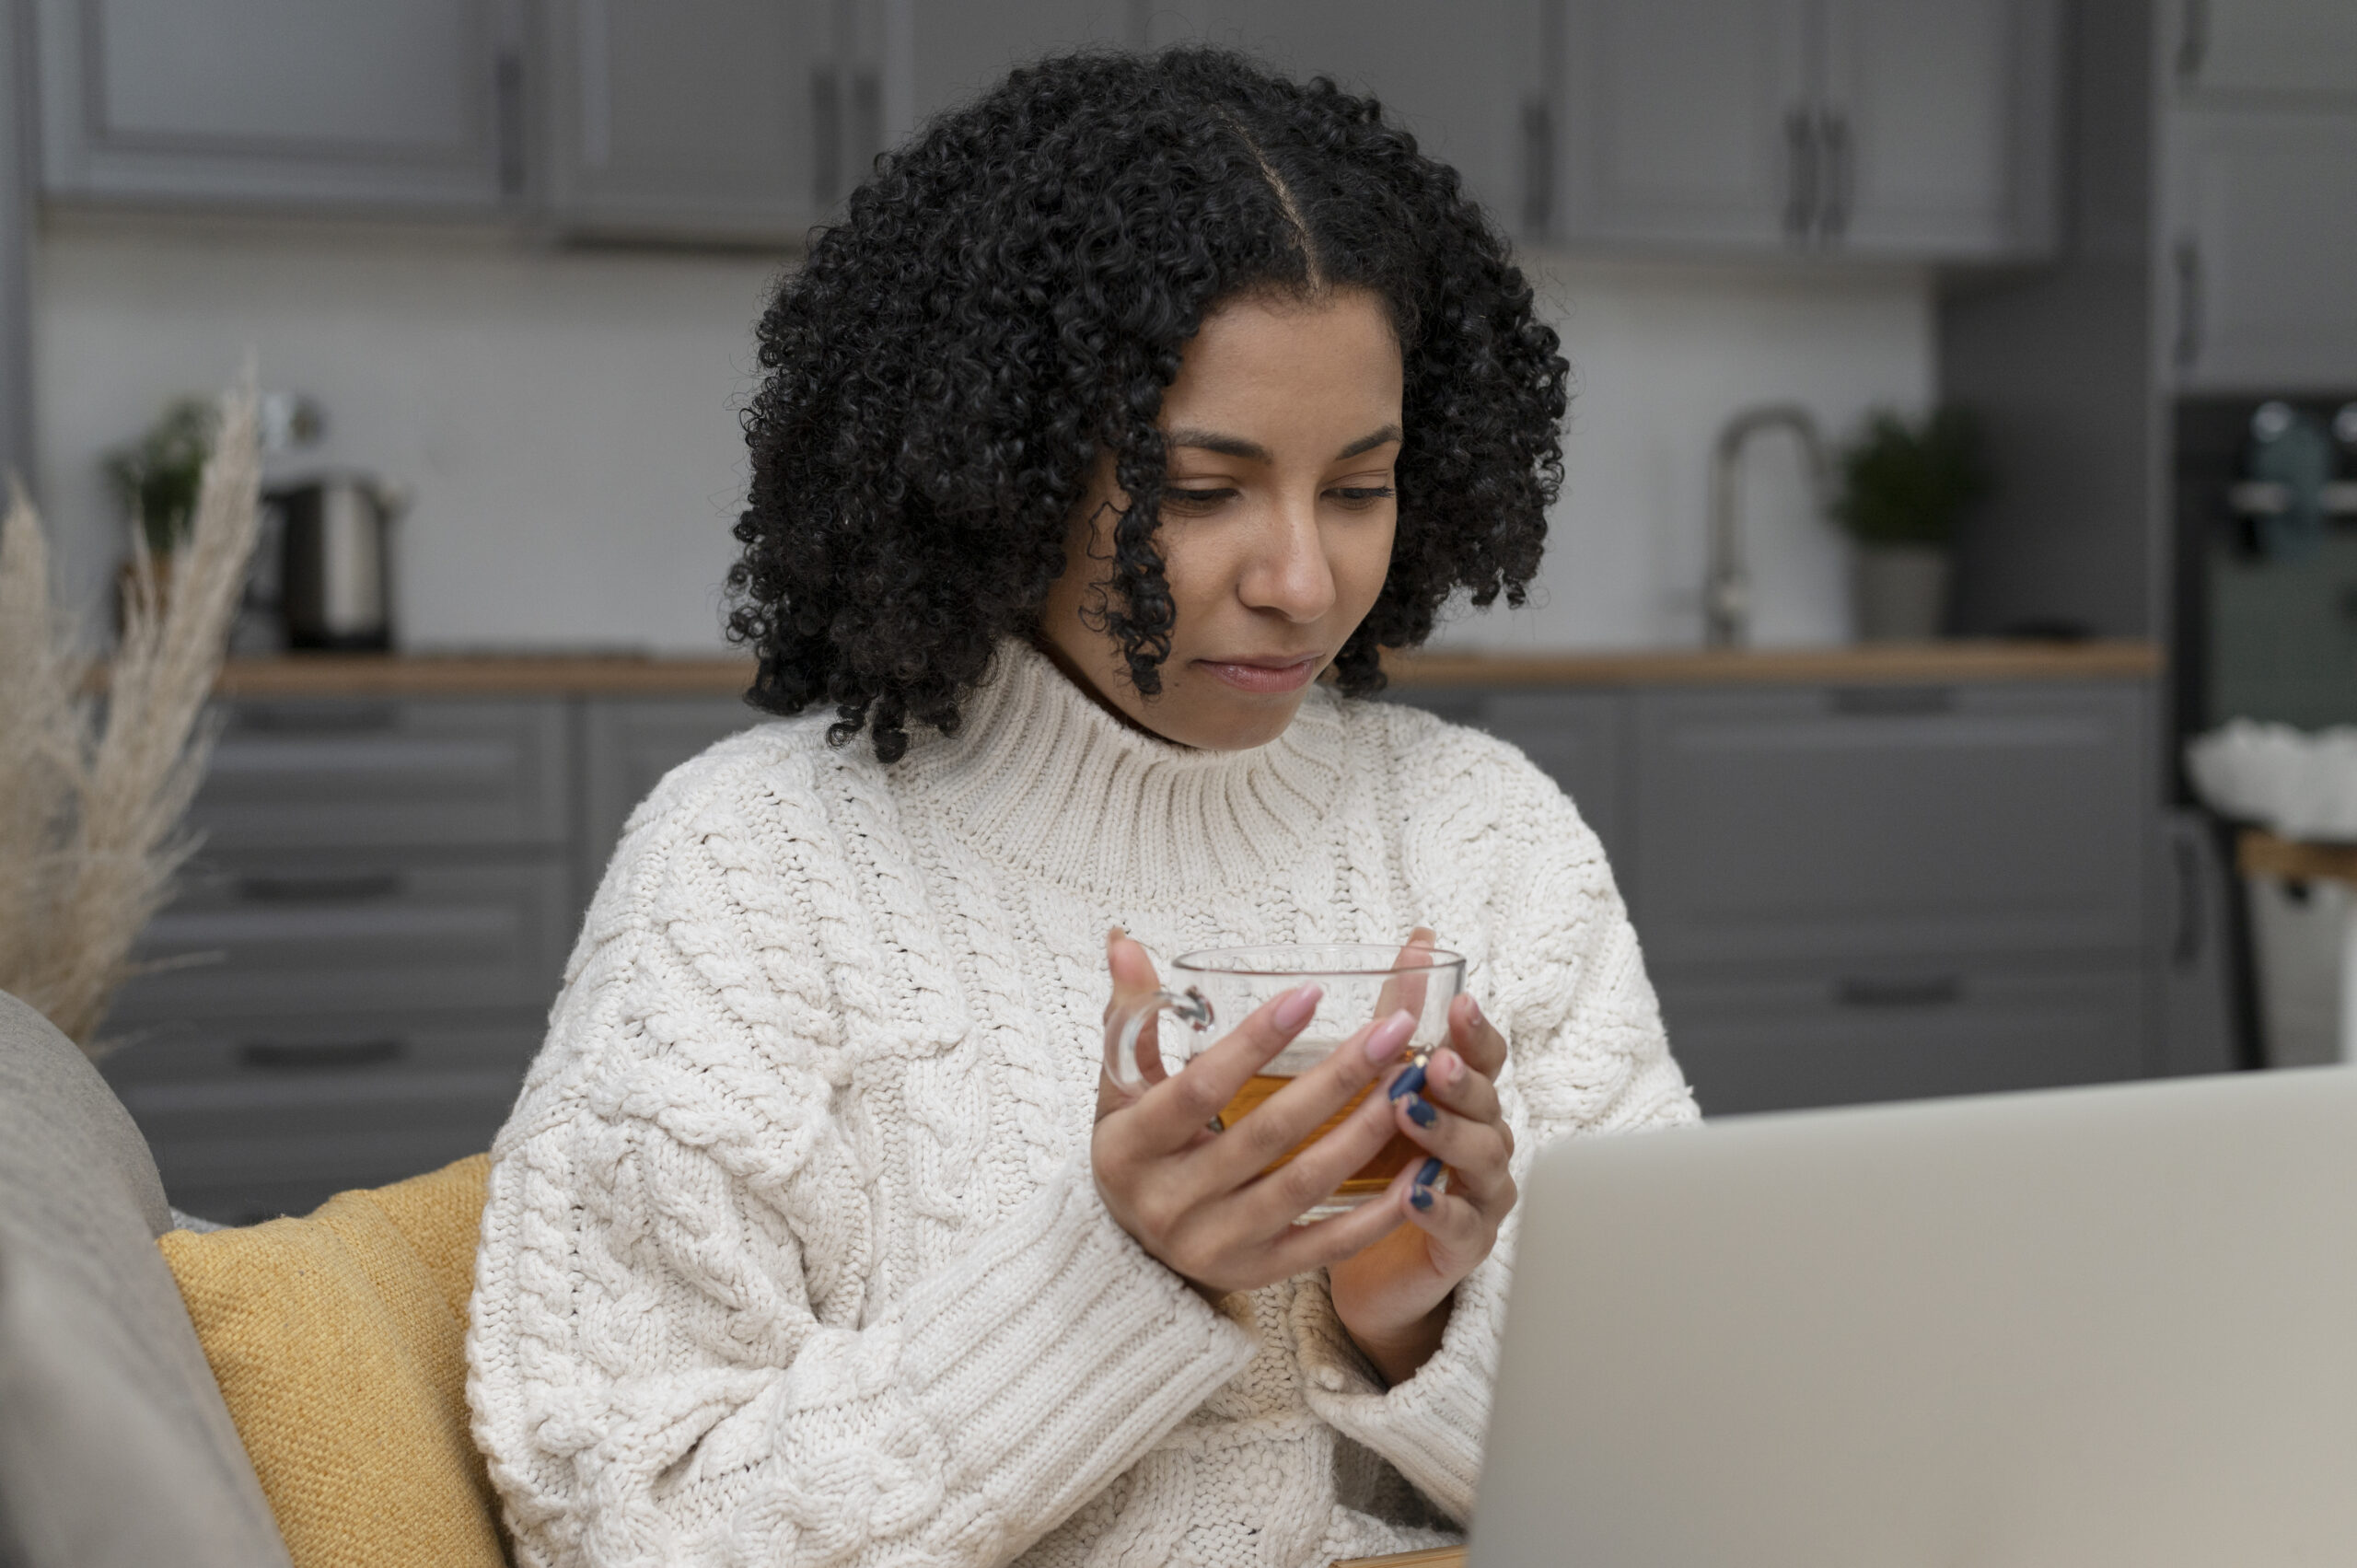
(793, 1254)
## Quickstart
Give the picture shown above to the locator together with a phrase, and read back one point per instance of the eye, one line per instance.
(1196, 500)
(1359, 497)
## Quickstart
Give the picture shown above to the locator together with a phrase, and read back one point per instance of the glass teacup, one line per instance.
(1215, 990)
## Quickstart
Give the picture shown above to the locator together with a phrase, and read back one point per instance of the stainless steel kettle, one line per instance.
(335, 561)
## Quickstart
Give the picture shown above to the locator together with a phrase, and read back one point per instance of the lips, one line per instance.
(1265, 675)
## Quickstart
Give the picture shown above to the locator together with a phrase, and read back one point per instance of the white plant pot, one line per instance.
(1901, 591)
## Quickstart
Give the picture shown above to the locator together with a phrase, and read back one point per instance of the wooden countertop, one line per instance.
(558, 675)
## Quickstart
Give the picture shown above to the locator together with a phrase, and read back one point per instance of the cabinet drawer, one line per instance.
(288, 1160)
(352, 773)
(278, 935)
(1889, 821)
(351, 1053)
(1835, 1038)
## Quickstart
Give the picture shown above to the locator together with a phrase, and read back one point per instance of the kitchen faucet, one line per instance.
(1726, 588)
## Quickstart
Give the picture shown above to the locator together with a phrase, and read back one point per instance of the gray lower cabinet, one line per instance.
(1832, 1034)
(366, 775)
(391, 105)
(254, 1117)
(1874, 892)
(1890, 821)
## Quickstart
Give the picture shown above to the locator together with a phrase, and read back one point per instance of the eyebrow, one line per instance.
(1252, 451)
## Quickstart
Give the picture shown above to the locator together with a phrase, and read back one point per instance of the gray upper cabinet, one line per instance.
(1910, 128)
(395, 104)
(2279, 50)
(1467, 78)
(1935, 131)
(956, 49)
(726, 119)
(2263, 211)
(1685, 122)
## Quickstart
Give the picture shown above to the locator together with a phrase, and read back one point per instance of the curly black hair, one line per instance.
(1007, 298)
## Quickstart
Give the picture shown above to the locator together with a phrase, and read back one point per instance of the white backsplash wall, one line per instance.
(567, 420)
(1661, 354)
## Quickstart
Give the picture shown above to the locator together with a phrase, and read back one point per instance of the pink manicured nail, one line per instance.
(1473, 1006)
(1445, 1067)
(1389, 1036)
(1295, 1007)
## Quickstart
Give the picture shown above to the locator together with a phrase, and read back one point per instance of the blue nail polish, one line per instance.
(1408, 1082)
(1421, 1113)
(1422, 1198)
(1429, 1174)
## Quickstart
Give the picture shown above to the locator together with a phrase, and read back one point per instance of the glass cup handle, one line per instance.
(1123, 1063)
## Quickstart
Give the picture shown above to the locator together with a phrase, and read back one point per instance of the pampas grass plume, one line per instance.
(94, 798)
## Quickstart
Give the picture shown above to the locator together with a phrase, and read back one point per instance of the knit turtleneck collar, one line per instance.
(1039, 776)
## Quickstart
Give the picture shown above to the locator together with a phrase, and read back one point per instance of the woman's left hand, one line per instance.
(1394, 1298)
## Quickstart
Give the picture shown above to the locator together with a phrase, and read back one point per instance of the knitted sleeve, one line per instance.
(674, 1355)
(1585, 1053)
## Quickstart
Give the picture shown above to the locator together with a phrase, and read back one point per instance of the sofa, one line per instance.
(290, 1394)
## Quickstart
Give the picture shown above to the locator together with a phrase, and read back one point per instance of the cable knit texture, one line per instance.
(793, 1254)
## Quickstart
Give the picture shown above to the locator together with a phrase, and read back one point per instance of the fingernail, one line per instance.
(1407, 1082)
(1428, 1173)
(1389, 1036)
(1446, 1067)
(1474, 1002)
(1421, 1111)
(1295, 1007)
(1421, 1197)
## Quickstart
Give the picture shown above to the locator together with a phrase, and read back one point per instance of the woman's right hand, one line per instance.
(1197, 1198)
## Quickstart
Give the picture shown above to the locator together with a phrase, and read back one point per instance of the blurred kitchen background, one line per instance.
(500, 260)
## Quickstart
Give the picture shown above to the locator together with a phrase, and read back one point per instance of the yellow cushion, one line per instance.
(339, 1341)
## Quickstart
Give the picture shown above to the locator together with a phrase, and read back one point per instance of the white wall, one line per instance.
(1661, 355)
(567, 420)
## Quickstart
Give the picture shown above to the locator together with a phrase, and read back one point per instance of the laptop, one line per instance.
(2075, 1329)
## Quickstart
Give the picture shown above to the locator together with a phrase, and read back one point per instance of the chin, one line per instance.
(1231, 726)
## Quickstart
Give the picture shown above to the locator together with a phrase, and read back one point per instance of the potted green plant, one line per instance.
(1905, 487)
(156, 479)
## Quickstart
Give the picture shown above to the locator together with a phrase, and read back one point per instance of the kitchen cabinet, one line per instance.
(1890, 822)
(2283, 50)
(1467, 78)
(1875, 891)
(402, 105)
(1908, 129)
(2263, 221)
(956, 49)
(703, 118)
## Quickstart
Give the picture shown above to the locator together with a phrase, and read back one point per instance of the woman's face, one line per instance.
(1282, 430)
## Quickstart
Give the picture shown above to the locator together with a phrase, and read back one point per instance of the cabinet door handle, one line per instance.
(507, 87)
(320, 1056)
(335, 718)
(826, 137)
(320, 889)
(1839, 175)
(1537, 168)
(1914, 990)
(1800, 173)
(1892, 702)
(2189, 305)
(2191, 931)
(2194, 40)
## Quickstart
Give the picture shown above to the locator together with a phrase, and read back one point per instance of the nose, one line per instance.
(1287, 571)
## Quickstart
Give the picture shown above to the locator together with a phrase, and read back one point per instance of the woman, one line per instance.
(1121, 406)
